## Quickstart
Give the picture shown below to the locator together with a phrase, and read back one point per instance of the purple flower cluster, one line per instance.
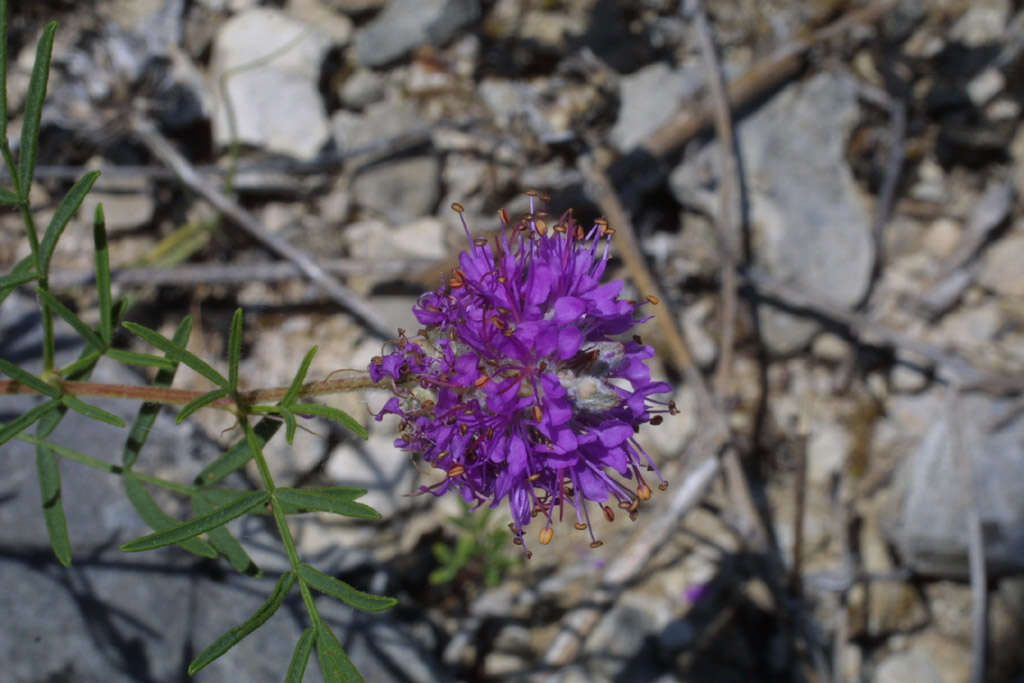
(518, 386)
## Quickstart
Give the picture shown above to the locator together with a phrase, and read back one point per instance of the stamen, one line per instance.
(546, 534)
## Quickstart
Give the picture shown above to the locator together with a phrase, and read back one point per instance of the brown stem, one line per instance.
(167, 396)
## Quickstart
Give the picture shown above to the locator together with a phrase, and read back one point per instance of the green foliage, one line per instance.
(481, 549)
(206, 533)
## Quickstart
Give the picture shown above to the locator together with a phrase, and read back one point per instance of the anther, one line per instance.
(532, 193)
(456, 470)
(609, 514)
(535, 476)
(542, 227)
(480, 241)
(546, 534)
(656, 420)
(538, 414)
(597, 544)
(481, 380)
(503, 216)
(580, 526)
(651, 299)
(643, 492)
(458, 208)
(662, 486)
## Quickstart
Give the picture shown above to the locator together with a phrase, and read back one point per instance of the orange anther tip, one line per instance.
(458, 208)
(456, 470)
(546, 534)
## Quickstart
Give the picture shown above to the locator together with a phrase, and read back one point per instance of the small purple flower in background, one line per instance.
(518, 386)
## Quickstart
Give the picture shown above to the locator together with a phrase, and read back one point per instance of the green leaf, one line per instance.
(34, 110)
(83, 330)
(324, 500)
(300, 658)
(28, 379)
(234, 349)
(330, 413)
(66, 210)
(237, 633)
(141, 359)
(177, 352)
(26, 419)
(102, 256)
(337, 588)
(22, 269)
(194, 527)
(334, 663)
(157, 519)
(53, 505)
(83, 365)
(91, 411)
(16, 280)
(148, 411)
(8, 197)
(225, 543)
(290, 425)
(204, 400)
(300, 377)
(237, 455)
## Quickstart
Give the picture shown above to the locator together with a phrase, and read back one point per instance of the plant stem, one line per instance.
(281, 520)
(180, 397)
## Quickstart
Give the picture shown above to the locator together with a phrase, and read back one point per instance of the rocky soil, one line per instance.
(871, 374)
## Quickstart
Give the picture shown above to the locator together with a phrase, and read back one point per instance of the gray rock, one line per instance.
(406, 24)
(399, 190)
(648, 98)
(810, 227)
(271, 65)
(928, 524)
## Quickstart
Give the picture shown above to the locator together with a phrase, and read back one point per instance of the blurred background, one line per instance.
(842, 315)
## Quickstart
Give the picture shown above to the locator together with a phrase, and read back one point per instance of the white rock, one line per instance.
(907, 667)
(649, 98)
(986, 85)
(271, 64)
(984, 22)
